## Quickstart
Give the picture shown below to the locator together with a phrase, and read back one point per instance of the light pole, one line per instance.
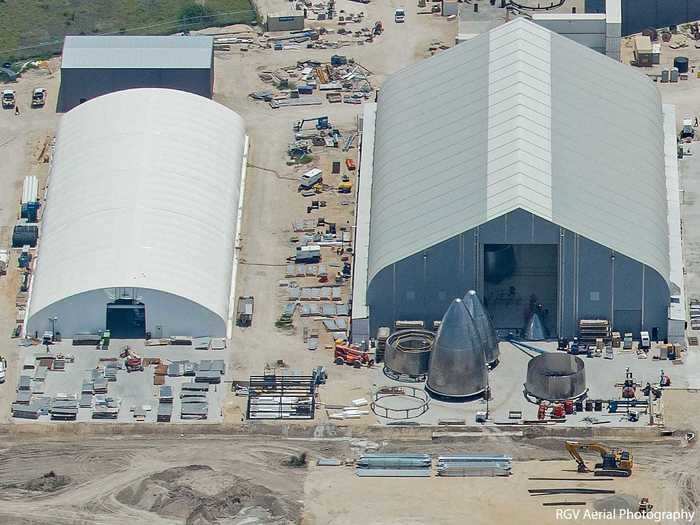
(53, 328)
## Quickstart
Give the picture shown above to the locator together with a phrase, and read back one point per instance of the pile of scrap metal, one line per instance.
(342, 80)
(224, 43)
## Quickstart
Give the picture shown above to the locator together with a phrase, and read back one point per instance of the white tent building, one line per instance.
(140, 223)
(502, 166)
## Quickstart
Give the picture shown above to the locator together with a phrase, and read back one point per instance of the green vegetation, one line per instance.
(35, 28)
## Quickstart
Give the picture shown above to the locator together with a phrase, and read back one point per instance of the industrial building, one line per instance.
(141, 216)
(601, 31)
(96, 65)
(290, 20)
(499, 166)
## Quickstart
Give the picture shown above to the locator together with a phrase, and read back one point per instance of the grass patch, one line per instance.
(33, 28)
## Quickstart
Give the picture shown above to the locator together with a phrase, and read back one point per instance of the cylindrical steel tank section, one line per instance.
(457, 364)
(499, 262)
(555, 377)
(408, 353)
(487, 334)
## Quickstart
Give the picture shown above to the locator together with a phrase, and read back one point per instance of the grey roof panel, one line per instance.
(137, 52)
(515, 119)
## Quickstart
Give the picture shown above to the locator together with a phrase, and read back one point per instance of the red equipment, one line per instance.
(542, 411)
(558, 410)
(350, 355)
(350, 164)
(134, 364)
(569, 406)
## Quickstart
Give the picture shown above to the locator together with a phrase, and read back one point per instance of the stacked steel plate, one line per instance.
(474, 465)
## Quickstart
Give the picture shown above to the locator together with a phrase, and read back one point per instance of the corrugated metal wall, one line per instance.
(77, 84)
(594, 282)
(640, 14)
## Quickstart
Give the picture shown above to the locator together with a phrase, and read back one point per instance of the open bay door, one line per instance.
(126, 319)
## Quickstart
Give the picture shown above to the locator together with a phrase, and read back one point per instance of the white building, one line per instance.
(140, 223)
(497, 166)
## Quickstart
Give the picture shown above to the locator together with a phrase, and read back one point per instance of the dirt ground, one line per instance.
(243, 480)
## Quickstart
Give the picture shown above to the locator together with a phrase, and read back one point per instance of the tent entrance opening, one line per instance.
(126, 319)
(519, 280)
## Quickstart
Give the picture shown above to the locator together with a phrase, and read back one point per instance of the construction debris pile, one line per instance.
(342, 80)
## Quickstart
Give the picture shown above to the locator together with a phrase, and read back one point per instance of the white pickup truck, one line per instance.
(400, 15)
(8, 99)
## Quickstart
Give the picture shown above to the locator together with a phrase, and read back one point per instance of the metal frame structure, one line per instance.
(281, 397)
(398, 413)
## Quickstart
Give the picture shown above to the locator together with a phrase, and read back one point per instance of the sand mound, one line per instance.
(199, 495)
(617, 502)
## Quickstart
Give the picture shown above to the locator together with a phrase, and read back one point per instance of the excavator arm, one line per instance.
(616, 462)
(572, 448)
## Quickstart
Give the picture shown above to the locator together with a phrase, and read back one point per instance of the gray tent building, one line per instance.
(502, 166)
(96, 65)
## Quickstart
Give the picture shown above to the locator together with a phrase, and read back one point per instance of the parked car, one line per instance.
(39, 98)
(400, 15)
(8, 99)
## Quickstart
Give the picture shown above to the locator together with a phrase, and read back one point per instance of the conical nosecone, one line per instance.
(484, 326)
(457, 364)
(535, 330)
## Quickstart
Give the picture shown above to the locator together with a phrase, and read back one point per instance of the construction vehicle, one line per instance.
(132, 361)
(8, 99)
(687, 132)
(378, 29)
(346, 354)
(644, 341)
(645, 506)
(617, 462)
(345, 187)
(321, 123)
(38, 97)
(245, 310)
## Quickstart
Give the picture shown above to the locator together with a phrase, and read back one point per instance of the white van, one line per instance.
(400, 15)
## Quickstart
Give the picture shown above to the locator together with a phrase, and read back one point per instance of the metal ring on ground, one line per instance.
(384, 396)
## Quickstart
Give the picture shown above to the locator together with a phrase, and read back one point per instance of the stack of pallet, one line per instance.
(591, 329)
(159, 374)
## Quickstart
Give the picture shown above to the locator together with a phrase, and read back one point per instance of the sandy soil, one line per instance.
(243, 480)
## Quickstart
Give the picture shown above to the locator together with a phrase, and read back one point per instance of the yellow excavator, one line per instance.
(617, 462)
